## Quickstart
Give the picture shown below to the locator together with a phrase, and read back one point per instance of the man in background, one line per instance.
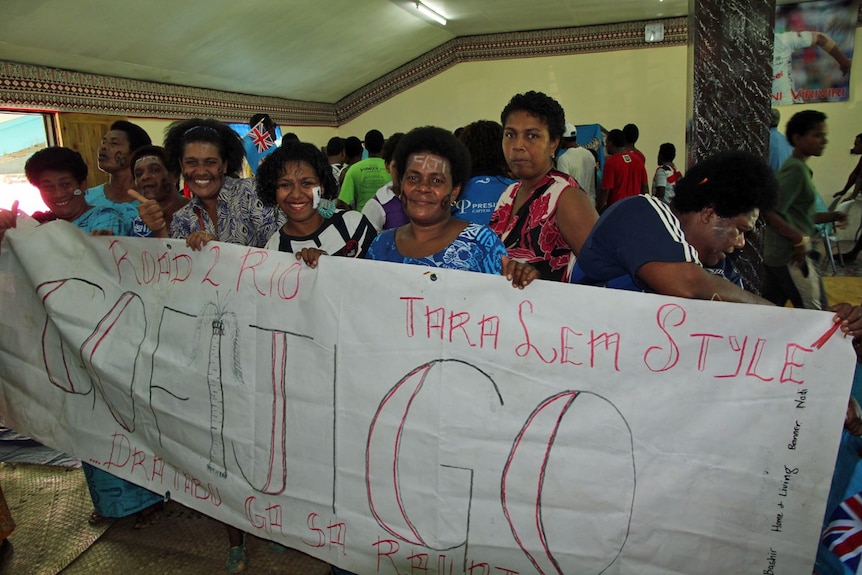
(577, 162)
(336, 155)
(365, 177)
(624, 174)
(666, 175)
(789, 272)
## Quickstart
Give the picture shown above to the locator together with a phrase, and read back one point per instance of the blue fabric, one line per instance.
(476, 249)
(479, 197)
(140, 229)
(727, 270)
(128, 210)
(779, 149)
(632, 232)
(103, 218)
(115, 497)
(252, 156)
(592, 137)
(846, 482)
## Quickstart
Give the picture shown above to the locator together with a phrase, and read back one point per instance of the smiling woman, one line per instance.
(224, 207)
(298, 179)
(60, 174)
(433, 166)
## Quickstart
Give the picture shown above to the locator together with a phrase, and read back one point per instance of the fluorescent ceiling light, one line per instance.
(431, 13)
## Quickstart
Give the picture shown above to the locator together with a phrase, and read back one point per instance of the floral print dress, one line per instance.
(531, 235)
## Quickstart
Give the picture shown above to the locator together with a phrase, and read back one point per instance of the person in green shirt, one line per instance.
(789, 272)
(364, 178)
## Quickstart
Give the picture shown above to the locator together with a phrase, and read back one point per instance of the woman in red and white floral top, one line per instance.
(543, 218)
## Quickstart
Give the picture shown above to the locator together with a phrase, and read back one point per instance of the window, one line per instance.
(21, 134)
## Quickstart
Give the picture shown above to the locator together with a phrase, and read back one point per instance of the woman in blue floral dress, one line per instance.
(433, 166)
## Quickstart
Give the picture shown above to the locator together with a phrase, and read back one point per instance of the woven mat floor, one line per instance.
(183, 541)
(50, 505)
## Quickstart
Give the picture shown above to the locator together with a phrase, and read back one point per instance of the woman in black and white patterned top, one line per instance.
(298, 179)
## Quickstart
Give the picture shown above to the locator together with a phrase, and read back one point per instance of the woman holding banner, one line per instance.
(433, 166)
(299, 180)
(544, 217)
(60, 174)
(223, 208)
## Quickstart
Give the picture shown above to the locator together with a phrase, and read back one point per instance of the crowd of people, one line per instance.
(519, 198)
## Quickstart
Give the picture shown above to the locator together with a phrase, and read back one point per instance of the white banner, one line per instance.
(395, 419)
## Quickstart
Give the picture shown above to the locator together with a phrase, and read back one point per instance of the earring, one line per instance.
(326, 208)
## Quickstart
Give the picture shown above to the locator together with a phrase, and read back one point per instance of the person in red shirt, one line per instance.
(624, 174)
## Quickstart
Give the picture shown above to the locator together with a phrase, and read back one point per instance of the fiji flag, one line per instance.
(258, 144)
(843, 534)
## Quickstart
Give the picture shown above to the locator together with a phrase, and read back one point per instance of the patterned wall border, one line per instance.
(29, 87)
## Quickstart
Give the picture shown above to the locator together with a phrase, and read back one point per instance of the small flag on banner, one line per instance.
(843, 534)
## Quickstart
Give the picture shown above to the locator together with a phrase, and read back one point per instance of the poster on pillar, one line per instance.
(813, 51)
(395, 419)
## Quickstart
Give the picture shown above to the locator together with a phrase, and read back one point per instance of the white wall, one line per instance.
(647, 87)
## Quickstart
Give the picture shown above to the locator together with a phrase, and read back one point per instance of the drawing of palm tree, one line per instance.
(223, 334)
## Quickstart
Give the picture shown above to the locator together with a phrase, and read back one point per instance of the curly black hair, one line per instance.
(208, 130)
(541, 106)
(802, 122)
(437, 141)
(55, 159)
(136, 135)
(272, 168)
(389, 147)
(483, 140)
(631, 132)
(731, 183)
(617, 137)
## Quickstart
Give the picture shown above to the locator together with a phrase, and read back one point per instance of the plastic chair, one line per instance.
(826, 233)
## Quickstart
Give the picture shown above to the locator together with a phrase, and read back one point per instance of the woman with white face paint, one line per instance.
(156, 188)
(224, 207)
(299, 180)
(433, 166)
